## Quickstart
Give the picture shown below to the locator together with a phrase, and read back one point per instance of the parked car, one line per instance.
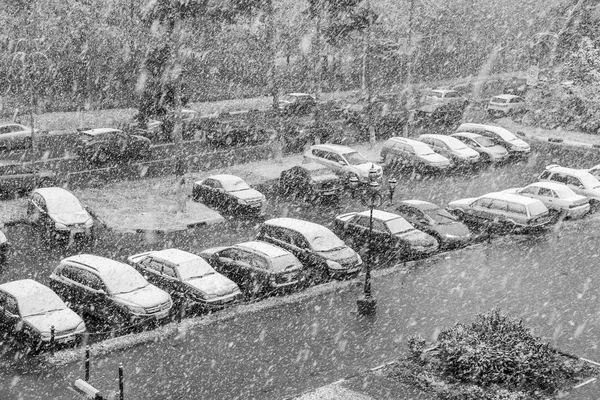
(409, 153)
(446, 96)
(435, 221)
(15, 136)
(230, 129)
(505, 104)
(320, 251)
(487, 149)
(595, 171)
(29, 311)
(391, 233)
(157, 131)
(18, 178)
(556, 196)
(503, 212)
(229, 192)
(297, 104)
(501, 136)
(187, 276)
(109, 290)
(58, 212)
(579, 180)
(4, 247)
(257, 267)
(311, 181)
(345, 161)
(451, 148)
(100, 145)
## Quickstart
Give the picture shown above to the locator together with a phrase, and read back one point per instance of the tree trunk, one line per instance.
(175, 85)
(273, 80)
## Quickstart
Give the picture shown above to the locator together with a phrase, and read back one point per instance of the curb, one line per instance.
(558, 141)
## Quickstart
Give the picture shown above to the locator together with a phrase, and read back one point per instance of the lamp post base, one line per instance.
(366, 305)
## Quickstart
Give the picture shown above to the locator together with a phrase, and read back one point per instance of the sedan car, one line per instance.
(310, 181)
(230, 193)
(18, 178)
(15, 136)
(58, 212)
(595, 171)
(557, 197)
(505, 104)
(503, 213)
(391, 233)
(109, 289)
(489, 152)
(434, 220)
(29, 311)
(581, 181)
(345, 161)
(505, 138)
(187, 276)
(107, 144)
(257, 267)
(451, 148)
(409, 153)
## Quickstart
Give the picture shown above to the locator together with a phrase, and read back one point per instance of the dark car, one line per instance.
(100, 145)
(391, 233)
(231, 129)
(230, 193)
(435, 221)
(161, 130)
(186, 275)
(29, 311)
(310, 181)
(109, 290)
(297, 104)
(323, 254)
(257, 267)
(18, 178)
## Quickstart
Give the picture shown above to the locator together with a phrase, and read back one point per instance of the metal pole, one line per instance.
(87, 363)
(121, 383)
(367, 290)
(52, 339)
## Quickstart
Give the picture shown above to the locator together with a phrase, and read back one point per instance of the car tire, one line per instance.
(228, 141)
(485, 158)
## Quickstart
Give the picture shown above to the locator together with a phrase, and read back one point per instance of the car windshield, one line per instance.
(506, 135)
(195, 268)
(484, 142)
(398, 225)
(40, 303)
(235, 185)
(289, 98)
(355, 158)
(455, 144)
(326, 241)
(440, 216)
(126, 280)
(438, 95)
(422, 149)
(499, 100)
(589, 181)
(63, 204)
(282, 262)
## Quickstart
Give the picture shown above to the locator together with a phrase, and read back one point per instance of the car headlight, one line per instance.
(333, 265)
(242, 202)
(81, 327)
(137, 310)
(89, 223)
(58, 225)
(46, 335)
(360, 261)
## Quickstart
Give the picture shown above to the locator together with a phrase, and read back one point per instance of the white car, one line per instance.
(595, 170)
(505, 138)
(555, 196)
(446, 96)
(487, 149)
(506, 104)
(451, 148)
(13, 136)
(343, 160)
(579, 180)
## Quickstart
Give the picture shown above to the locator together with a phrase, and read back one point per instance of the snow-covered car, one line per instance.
(446, 96)
(257, 267)
(557, 197)
(29, 312)
(321, 252)
(4, 247)
(58, 212)
(434, 220)
(297, 103)
(15, 136)
(344, 160)
(451, 148)
(230, 193)
(100, 145)
(503, 212)
(499, 135)
(504, 104)
(595, 170)
(487, 149)
(391, 233)
(409, 153)
(579, 180)
(187, 276)
(109, 290)
(310, 181)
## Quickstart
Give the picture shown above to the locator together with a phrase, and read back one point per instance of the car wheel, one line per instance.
(485, 158)
(594, 205)
(228, 140)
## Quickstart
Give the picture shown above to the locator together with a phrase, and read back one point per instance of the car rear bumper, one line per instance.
(578, 212)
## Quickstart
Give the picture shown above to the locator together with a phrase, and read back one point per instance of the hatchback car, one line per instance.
(321, 252)
(109, 289)
(345, 161)
(15, 136)
(230, 193)
(505, 138)
(310, 181)
(4, 247)
(434, 220)
(29, 311)
(410, 153)
(451, 148)
(18, 178)
(186, 276)
(257, 267)
(503, 212)
(446, 96)
(557, 197)
(487, 149)
(58, 212)
(107, 144)
(505, 104)
(391, 233)
(579, 180)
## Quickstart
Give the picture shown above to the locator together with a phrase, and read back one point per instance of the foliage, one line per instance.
(583, 65)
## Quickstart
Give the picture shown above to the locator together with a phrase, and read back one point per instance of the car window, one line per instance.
(499, 205)
(83, 277)
(574, 181)
(319, 153)
(11, 306)
(298, 240)
(94, 282)
(229, 253)
(379, 226)
(154, 266)
(559, 178)
(545, 175)
(169, 271)
(532, 190)
(363, 221)
(259, 262)
(451, 95)
(517, 208)
(485, 202)
(545, 192)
